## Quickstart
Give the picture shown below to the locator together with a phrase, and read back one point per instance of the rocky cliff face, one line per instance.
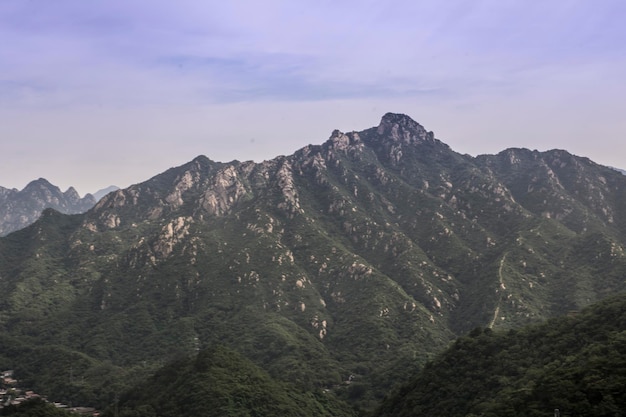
(18, 209)
(345, 260)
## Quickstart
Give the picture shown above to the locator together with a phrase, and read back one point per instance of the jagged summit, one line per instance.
(400, 119)
(72, 193)
(202, 160)
(401, 127)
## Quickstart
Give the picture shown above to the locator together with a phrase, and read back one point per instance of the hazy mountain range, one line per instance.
(18, 209)
(101, 193)
(341, 269)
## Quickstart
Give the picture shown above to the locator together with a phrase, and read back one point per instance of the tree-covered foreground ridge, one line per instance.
(336, 272)
(572, 366)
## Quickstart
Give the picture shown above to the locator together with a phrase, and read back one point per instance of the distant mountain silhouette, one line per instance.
(18, 209)
(101, 193)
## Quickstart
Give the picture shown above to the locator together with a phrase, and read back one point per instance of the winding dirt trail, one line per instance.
(496, 313)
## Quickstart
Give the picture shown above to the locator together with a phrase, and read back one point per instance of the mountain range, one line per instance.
(20, 208)
(343, 268)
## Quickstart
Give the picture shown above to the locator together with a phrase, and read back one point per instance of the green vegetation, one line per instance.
(344, 267)
(575, 364)
(65, 375)
(219, 382)
(34, 408)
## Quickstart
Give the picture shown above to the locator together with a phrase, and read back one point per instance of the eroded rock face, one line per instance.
(285, 179)
(171, 234)
(184, 183)
(225, 190)
(108, 210)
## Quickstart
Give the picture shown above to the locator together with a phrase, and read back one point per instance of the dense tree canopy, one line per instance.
(575, 364)
(219, 382)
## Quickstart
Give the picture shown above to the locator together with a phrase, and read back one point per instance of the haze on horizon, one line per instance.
(101, 93)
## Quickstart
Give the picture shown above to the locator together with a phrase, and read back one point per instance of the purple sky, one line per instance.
(94, 93)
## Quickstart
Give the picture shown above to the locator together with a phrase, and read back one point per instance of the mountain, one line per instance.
(343, 267)
(576, 364)
(101, 193)
(18, 209)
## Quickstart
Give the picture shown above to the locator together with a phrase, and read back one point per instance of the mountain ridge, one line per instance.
(353, 260)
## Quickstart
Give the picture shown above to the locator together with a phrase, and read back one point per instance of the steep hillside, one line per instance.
(332, 268)
(18, 209)
(575, 364)
(219, 382)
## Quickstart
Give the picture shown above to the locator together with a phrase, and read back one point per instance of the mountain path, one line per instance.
(496, 313)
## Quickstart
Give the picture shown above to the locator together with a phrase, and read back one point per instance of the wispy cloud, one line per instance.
(246, 50)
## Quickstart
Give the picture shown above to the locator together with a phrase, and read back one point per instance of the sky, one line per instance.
(112, 92)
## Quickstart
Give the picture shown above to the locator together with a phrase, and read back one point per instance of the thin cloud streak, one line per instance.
(369, 47)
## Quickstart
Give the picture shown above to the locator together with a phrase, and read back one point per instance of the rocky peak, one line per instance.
(342, 141)
(399, 137)
(79, 204)
(401, 128)
(72, 193)
(42, 190)
(38, 185)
